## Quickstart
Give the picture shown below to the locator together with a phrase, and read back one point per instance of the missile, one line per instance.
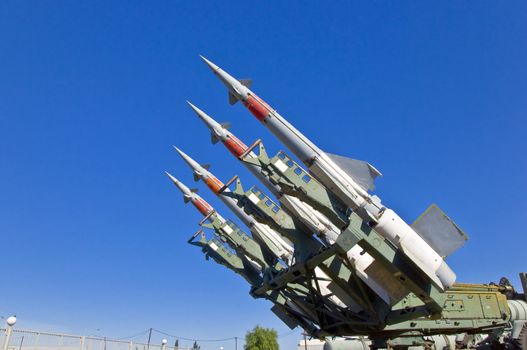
(349, 179)
(263, 234)
(386, 286)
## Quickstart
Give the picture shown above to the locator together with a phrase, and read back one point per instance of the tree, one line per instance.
(176, 344)
(196, 346)
(261, 338)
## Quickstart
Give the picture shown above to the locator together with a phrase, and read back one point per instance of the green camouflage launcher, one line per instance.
(332, 258)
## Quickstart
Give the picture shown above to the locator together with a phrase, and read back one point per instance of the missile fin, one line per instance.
(246, 82)
(194, 190)
(362, 172)
(439, 231)
(226, 125)
(186, 198)
(232, 99)
(213, 138)
(205, 166)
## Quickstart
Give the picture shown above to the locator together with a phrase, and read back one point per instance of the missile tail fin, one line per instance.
(362, 172)
(232, 99)
(439, 231)
(213, 138)
(246, 82)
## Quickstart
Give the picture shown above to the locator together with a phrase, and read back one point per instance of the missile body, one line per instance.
(255, 201)
(340, 182)
(373, 274)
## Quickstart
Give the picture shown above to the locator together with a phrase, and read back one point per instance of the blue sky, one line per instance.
(92, 99)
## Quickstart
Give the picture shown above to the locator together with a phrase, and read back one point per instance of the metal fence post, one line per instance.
(36, 340)
(9, 330)
(83, 338)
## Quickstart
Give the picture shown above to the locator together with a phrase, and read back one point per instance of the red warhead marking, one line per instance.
(235, 146)
(257, 106)
(214, 184)
(202, 206)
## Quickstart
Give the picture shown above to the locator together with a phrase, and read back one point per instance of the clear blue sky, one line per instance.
(93, 236)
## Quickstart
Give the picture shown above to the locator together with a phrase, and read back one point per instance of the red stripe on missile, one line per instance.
(202, 206)
(257, 107)
(213, 183)
(234, 145)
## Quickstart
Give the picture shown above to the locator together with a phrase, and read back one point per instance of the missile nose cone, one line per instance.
(171, 177)
(211, 123)
(198, 169)
(211, 65)
(237, 90)
(181, 153)
(184, 189)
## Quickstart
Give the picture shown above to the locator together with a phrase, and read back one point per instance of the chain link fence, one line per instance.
(32, 340)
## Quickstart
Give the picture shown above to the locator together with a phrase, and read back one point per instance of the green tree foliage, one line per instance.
(261, 338)
(196, 346)
(176, 344)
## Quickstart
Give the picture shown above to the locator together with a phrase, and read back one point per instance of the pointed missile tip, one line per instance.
(177, 149)
(181, 153)
(186, 158)
(207, 119)
(209, 63)
(194, 108)
(171, 177)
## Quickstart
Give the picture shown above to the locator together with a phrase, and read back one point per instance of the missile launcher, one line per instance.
(332, 258)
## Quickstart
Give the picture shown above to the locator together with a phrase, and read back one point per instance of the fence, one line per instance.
(33, 340)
